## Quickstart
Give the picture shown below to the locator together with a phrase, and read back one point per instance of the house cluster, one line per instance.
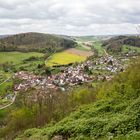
(29, 80)
(72, 75)
(109, 63)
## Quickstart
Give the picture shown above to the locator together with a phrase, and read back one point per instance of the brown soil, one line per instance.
(80, 52)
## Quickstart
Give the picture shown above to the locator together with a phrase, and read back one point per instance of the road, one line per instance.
(13, 100)
(5, 81)
(105, 52)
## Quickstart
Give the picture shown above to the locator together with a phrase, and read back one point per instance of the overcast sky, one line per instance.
(70, 17)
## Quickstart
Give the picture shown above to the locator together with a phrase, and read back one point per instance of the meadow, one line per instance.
(64, 58)
(82, 47)
(98, 46)
(17, 57)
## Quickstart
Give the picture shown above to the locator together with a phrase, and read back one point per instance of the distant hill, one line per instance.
(3, 36)
(92, 38)
(38, 42)
(115, 44)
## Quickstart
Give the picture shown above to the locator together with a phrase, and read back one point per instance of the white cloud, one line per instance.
(72, 17)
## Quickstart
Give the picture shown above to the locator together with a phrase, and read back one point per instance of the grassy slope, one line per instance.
(16, 57)
(127, 48)
(98, 47)
(122, 44)
(86, 38)
(104, 118)
(80, 47)
(5, 88)
(64, 58)
(116, 115)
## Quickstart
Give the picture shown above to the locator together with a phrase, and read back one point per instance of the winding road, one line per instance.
(13, 99)
(105, 52)
(5, 81)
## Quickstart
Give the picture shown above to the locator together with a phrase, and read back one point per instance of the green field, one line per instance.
(86, 38)
(64, 58)
(17, 57)
(99, 48)
(80, 46)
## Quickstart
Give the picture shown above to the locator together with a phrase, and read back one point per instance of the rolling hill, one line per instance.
(115, 44)
(92, 38)
(38, 42)
(3, 36)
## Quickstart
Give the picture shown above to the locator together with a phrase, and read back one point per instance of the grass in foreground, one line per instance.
(17, 57)
(64, 58)
(102, 120)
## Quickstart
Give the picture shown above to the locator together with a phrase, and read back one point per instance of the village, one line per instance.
(72, 75)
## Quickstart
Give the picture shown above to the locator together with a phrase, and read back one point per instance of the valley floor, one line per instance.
(60, 85)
